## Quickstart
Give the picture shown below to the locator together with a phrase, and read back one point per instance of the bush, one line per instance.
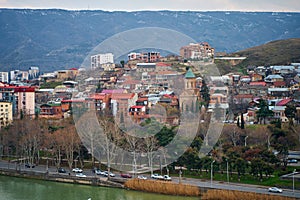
(163, 187)
(238, 195)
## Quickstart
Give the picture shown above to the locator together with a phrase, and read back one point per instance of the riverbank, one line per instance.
(40, 173)
(63, 178)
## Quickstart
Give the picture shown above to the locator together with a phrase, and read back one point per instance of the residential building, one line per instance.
(51, 110)
(4, 77)
(18, 75)
(6, 113)
(69, 74)
(147, 57)
(197, 51)
(33, 72)
(273, 78)
(21, 97)
(145, 67)
(25, 101)
(121, 102)
(100, 59)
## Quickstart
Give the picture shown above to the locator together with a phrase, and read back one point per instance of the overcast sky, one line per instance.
(134, 5)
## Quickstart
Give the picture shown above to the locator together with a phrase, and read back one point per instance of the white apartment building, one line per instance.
(100, 59)
(4, 77)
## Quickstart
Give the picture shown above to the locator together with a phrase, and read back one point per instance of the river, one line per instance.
(12, 188)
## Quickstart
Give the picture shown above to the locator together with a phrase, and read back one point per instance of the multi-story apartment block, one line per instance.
(4, 77)
(18, 75)
(66, 74)
(197, 51)
(21, 97)
(100, 59)
(33, 72)
(144, 56)
(25, 100)
(6, 113)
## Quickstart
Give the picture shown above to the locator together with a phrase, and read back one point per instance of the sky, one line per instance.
(137, 5)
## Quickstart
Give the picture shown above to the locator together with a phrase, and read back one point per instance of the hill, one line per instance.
(279, 52)
(55, 39)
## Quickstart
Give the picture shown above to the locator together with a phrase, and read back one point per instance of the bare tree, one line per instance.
(70, 142)
(90, 134)
(151, 144)
(111, 132)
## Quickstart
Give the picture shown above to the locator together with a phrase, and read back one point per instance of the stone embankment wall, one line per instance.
(65, 178)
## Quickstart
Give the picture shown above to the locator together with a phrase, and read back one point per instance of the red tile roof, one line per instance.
(137, 106)
(98, 96)
(122, 95)
(261, 83)
(279, 83)
(118, 91)
(283, 102)
(244, 96)
(161, 64)
(73, 101)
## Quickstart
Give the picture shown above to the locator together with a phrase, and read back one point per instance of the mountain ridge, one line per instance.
(56, 38)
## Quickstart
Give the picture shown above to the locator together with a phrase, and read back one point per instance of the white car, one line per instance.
(80, 175)
(142, 177)
(99, 172)
(275, 189)
(157, 176)
(77, 170)
(110, 174)
(167, 178)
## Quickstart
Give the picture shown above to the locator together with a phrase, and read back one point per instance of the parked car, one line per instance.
(167, 178)
(142, 177)
(99, 172)
(80, 175)
(110, 174)
(157, 176)
(61, 170)
(275, 189)
(77, 170)
(28, 165)
(292, 161)
(126, 175)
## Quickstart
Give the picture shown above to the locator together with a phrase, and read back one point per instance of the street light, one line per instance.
(246, 140)
(211, 172)
(227, 171)
(294, 181)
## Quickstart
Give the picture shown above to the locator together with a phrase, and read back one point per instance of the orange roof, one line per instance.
(244, 96)
(262, 83)
(122, 95)
(98, 96)
(162, 64)
(279, 83)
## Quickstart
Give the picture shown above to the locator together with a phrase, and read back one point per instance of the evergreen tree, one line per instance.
(290, 112)
(263, 111)
(242, 121)
(205, 94)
